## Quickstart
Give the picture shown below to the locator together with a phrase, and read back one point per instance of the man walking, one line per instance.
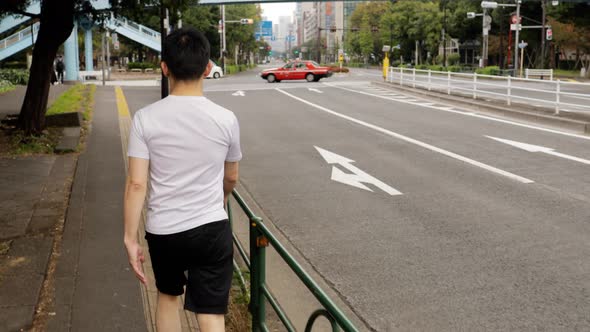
(189, 148)
(59, 67)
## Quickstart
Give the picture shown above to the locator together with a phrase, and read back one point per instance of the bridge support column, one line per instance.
(71, 55)
(88, 49)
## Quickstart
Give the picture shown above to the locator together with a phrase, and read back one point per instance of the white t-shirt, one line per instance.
(187, 139)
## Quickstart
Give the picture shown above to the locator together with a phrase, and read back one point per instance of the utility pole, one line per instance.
(163, 33)
(102, 56)
(223, 43)
(518, 19)
(108, 56)
(444, 33)
(543, 37)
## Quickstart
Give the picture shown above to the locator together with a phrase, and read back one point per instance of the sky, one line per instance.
(274, 10)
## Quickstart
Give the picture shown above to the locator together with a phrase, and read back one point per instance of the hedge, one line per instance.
(140, 65)
(490, 70)
(6, 86)
(15, 76)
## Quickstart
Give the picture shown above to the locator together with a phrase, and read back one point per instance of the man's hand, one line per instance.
(136, 259)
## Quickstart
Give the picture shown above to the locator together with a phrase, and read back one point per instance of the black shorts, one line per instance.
(206, 252)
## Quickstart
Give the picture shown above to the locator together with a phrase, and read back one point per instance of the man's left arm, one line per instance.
(135, 193)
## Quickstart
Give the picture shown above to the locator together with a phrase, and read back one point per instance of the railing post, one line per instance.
(257, 276)
(474, 85)
(429, 79)
(401, 76)
(557, 97)
(509, 101)
(448, 82)
(414, 78)
(390, 74)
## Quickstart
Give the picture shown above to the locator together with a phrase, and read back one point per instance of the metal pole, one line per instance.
(444, 33)
(521, 60)
(544, 8)
(223, 42)
(518, 21)
(163, 34)
(102, 57)
(257, 277)
(108, 57)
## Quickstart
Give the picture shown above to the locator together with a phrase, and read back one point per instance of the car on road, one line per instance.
(216, 72)
(297, 70)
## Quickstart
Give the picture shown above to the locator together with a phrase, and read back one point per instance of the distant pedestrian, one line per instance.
(189, 149)
(59, 68)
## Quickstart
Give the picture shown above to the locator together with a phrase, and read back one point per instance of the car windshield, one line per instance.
(288, 66)
(315, 64)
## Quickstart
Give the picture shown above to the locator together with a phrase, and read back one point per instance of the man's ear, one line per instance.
(165, 69)
(208, 69)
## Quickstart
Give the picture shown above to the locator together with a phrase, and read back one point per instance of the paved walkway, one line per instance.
(65, 265)
(12, 101)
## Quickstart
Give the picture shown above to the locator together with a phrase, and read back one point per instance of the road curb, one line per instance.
(518, 111)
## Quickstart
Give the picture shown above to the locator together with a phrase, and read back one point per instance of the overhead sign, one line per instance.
(264, 29)
(357, 178)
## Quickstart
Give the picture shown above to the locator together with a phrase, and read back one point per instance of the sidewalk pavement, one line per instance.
(63, 266)
(12, 101)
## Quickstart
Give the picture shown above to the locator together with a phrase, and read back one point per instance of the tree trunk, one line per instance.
(57, 21)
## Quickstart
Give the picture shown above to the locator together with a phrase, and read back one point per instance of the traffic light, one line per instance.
(333, 28)
(374, 29)
(246, 21)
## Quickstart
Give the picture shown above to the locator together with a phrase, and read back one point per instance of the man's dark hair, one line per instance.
(186, 53)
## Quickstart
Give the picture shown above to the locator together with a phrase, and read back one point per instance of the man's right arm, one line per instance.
(230, 179)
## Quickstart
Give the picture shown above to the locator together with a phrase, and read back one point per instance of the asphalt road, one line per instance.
(484, 236)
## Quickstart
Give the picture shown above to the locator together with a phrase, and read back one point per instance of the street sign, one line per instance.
(515, 19)
(341, 58)
(290, 38)
(515, 27)
(273, 38)
(549, 34)
(114, 37)
(340, 52)
(264, 29)
(116, 45)
(522, 45)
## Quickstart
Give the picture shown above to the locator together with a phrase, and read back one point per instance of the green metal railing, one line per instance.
(260, 238)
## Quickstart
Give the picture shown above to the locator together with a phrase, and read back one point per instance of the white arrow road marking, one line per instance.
(542, 149)
(315, 90)
(239, 93)
(357, 178)
(412, 141)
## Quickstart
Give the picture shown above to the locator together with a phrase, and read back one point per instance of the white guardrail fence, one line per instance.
(562, 96)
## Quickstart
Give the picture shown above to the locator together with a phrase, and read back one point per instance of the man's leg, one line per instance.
(211, 323)
(167, 313)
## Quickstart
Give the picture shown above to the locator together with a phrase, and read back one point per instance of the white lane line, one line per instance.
(480, 116)
(413, 141)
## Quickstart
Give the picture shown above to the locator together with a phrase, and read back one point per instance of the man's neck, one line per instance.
(186, 88)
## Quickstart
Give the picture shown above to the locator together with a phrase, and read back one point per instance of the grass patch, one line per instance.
(79, 98)
(21, 144)
(69, 101)
(6, 86)
(566, 73)
(238, 318)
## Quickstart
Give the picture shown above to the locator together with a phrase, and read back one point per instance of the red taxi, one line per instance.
(297, 70)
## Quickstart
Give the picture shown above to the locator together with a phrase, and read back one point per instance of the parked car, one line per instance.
(297, 70)
(216, 72)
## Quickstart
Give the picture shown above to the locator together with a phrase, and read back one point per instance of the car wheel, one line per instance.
(271, 78)
(216, 75)
(317, 79)
(310, 77)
